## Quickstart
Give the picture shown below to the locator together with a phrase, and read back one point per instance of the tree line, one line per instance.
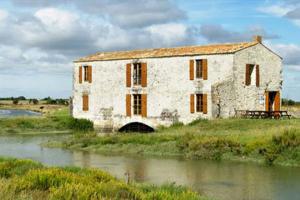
(46, 100)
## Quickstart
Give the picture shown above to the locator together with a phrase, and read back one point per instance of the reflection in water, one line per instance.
(221, 180)
(15, 113)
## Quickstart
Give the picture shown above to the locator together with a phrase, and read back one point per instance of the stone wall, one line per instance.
(169, 87)
(168, 90)
(252, 97)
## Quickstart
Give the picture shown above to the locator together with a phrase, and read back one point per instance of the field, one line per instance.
(54, 121)
(25, 179)
(263, 141)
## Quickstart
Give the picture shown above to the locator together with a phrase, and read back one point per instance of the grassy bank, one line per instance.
(265, 141)
(56, 121)
(25, 179)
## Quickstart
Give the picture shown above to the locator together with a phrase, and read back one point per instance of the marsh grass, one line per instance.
(31, 180)
(271, 141)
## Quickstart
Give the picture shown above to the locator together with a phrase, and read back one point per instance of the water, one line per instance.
(17, 113)
(220, 180)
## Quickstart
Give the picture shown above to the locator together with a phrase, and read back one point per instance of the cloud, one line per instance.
(294, 14)
(126, 14)
(290, 54)
(277, 10)
(217, 33)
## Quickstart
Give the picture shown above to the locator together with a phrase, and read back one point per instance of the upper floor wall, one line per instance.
(256, 70)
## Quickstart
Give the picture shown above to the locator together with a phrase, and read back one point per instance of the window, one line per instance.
(137, 71)
(199, 69)
(137, 104)
(85, 102)
(86, 73)
(199, 102)
(250, 74)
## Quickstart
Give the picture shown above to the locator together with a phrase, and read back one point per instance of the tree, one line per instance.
(15, 101)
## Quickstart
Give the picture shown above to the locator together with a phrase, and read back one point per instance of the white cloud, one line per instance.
(277, 10)
(166, 34)
(3, 15)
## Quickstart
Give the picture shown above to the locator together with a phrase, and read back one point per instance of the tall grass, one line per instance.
(31, 180)
(237, 139)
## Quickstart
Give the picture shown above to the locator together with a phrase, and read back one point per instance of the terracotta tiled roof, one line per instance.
(168, 52)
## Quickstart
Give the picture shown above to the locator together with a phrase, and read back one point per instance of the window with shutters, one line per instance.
(86, 73)
(251, 74)
(137, 104)
(199, 102)
(199, 69)
(137, 71)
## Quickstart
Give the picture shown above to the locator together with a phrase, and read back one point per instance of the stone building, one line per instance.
(147, 88)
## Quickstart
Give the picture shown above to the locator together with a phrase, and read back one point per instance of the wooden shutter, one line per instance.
(247, 78)
(204, 99)
(128, 105)
(128, 75)
(204, 69)
(90, 74)
(277, 102)
(144, 75)
(257, 76)
(144, 105)
(80, 74)
(192, 103)
(192, 70)
(85, 102)
(267, 101)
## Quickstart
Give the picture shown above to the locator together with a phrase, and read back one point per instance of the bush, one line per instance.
(81, 124)
(15, 101)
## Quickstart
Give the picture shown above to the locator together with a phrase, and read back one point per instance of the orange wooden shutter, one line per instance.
(204, 69)
(144, 105)
(192, 70)
(277, 102)
(204, 99)
(128, 75)
(267, 101)
(128, 105)
(257, 76)
(85, 102)
(192, 103)
(247, 78)
(144, 75)
(80, 74)
(90, 74)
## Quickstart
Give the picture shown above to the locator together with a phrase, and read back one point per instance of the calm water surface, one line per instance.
(17, 113)
(220, 180)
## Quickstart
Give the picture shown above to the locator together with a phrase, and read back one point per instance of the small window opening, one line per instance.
(137, 104)
(86, 78)
(199, 69)
(199, 102)
(137, 71)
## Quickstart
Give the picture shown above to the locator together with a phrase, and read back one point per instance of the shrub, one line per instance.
(15, 101)
(83, 125)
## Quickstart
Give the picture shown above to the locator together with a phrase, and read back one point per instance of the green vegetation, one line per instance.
(25, 179)
(269, 141)
(57, 121)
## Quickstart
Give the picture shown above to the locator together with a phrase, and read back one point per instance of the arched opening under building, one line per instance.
(136, 127)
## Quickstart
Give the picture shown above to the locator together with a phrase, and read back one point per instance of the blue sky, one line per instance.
(40, 39)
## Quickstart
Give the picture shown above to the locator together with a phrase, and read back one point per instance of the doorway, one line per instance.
(272, 101)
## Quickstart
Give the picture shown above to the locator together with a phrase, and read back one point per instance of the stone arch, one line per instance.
(136, 127)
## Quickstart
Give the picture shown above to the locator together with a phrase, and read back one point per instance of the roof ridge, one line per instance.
(177, 47)
(223, 48)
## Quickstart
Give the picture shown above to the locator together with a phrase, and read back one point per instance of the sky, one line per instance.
(40, 39)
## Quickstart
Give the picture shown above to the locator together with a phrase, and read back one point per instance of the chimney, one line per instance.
(257, 38)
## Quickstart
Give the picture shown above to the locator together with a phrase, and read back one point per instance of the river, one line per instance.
(220, 180)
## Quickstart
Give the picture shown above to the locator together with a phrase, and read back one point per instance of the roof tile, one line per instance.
(168, 52)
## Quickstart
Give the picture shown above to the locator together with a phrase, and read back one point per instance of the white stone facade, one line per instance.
(169, 88)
